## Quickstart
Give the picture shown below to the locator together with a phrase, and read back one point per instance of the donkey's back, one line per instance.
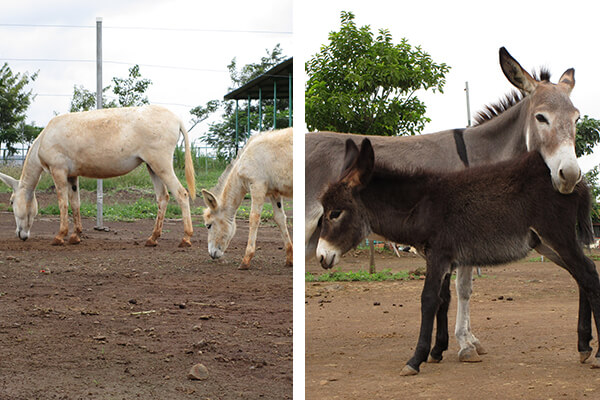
(109, 142)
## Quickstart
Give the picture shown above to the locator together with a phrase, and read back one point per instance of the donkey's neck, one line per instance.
(500, 138)
(390, 202)
(32, 168)
(234, 191)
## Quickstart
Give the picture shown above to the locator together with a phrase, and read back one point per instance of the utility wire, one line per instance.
(144, 28)
(111, 62)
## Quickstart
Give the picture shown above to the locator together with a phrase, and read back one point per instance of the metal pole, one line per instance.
(99, 188)
(290, 101)
(260, 109)
(274, 104)
(468, 104)
(236, 126)
(248, 136)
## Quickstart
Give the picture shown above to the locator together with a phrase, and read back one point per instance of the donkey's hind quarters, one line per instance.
(491, 215)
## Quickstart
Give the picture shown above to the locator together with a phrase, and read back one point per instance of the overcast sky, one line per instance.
(185, 52)
(467, 35)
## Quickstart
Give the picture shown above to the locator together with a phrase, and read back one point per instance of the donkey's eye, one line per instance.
(208, 226)
(541, 118)
(334, 214)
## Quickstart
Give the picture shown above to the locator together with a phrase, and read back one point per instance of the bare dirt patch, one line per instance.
(360, 335)
(112, 319)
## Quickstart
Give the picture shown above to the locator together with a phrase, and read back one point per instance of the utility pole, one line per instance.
(468, 104)
(99, 190)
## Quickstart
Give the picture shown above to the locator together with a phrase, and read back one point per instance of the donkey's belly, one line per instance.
(486, 251)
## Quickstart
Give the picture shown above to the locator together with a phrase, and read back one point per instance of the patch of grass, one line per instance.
(595, 257)
(142, 208)
(361, 275)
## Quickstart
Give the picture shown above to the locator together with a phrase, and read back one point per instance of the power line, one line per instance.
(146, 28)
(112, 62)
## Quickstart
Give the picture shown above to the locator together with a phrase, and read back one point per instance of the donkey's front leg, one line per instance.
(60, 182)
(470, 347)
(441, 337)
(430, 302)
(257, 193)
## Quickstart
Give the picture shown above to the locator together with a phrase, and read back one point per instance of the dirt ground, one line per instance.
(112, 319)
(360, 335)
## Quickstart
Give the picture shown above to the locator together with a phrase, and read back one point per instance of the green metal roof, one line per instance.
(279, 73)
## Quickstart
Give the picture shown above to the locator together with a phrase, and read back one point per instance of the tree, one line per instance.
(221, 135)
(593, 179)
(14, 102)
(588, 135)
(365, 84)
(130, 92)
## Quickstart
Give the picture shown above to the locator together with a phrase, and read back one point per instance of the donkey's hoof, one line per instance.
(596, 363)
(151, 243)
(433, 360)
(468, 355)
(584, 355)
(58, 242)
(74, 239)
(244, 266)
(185, 243)
(408, 371)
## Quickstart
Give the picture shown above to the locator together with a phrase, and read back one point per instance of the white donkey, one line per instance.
(103, 144)
(265, 169)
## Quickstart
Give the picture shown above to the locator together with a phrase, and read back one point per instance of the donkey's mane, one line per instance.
(510, 99)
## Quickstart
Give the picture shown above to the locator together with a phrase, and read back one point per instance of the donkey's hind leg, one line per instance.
(75, 201)
(162, 198)
(470, 347)
(280, 220)
(441, 338)
(584, 324)
(164, 171)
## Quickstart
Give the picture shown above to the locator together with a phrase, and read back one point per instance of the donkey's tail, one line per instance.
(585, 232)
(189, 164)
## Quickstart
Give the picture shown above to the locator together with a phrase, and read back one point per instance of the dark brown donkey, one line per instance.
(484, 215)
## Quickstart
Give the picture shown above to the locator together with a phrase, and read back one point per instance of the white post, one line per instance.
(99, 189)
(468, 104)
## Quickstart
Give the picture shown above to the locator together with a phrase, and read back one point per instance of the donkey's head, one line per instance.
(344, 221)
(551, 120)
(24, 205)
(220, 225)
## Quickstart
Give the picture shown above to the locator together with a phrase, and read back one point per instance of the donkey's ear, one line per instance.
(210, 200)
(568, 79)
(350, 156)
(10, 181)
(515, 73)
(359, 173)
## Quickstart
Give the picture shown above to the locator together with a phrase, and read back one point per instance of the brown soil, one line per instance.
(112, 319)
(360, 335)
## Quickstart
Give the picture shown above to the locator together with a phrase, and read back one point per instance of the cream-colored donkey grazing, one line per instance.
(103, 144)
(265, 169)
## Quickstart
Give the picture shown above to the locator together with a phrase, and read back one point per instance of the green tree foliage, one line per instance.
(588, 135)
(593, 179)
(221, 135)
(14, 102)
(130, 92)
(365, 84)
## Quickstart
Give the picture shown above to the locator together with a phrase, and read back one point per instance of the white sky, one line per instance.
(201, 57)
(467, 35)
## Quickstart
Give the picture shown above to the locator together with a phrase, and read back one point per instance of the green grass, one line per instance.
(361, 275)
(595, 257)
